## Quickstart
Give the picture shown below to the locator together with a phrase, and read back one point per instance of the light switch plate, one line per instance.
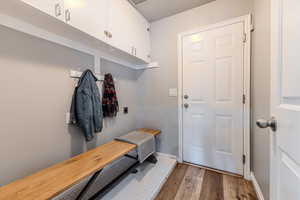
(173, 92)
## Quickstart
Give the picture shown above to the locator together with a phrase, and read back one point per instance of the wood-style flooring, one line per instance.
(192, 183)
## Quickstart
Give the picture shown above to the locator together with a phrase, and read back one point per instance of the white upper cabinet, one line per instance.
(89, 16)
(129, 30)
(54, 8)
(114, 22)
(142, 38)
(121, 25)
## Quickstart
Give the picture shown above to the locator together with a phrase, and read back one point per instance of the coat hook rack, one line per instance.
(77, 74)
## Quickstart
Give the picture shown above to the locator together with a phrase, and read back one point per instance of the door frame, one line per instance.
(276, 50)
(246, 20)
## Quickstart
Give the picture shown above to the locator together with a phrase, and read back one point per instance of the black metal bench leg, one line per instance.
(152, 159)
(88, 185)
(132, 157)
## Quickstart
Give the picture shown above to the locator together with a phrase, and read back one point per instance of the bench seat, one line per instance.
(50, 182)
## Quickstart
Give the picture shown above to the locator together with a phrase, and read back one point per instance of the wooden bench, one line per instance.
(50, 182)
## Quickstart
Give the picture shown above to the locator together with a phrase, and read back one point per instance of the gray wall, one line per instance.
(126, 85)
(36, 94)
(261, 93)
(160, 111)
(157, 109)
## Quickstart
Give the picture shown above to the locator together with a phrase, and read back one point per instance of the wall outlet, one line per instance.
(125, 110)
(68, 118)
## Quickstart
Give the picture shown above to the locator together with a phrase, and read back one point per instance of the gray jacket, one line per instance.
(86, 108)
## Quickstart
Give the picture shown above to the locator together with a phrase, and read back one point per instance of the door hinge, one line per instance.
(244, 159)
(245, 38)
(244, 99)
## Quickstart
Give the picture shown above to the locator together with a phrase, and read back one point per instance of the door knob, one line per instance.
(186, 96)
(186, 105)
(272, 123)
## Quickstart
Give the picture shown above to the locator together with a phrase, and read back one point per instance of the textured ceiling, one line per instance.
(157, 9)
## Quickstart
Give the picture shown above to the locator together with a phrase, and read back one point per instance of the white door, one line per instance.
(213, 98)
(54, 8)
(89, 16)
(285, 96)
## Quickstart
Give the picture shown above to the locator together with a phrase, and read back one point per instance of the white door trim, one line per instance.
(276, 50)
(275, 16)
(247, 63)
(257, 188)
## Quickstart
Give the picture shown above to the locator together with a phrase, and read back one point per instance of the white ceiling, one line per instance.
(157, 9)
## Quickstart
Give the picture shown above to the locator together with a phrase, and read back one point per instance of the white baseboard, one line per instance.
(258, 191)
(167, 155)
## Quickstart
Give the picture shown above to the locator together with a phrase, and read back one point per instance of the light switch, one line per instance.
(173, 92)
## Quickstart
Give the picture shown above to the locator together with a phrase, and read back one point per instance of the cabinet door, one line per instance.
(142, 42)
(89, 16)
(121, 25)
(54, 8)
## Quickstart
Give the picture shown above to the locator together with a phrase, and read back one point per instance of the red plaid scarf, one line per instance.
(110, 103)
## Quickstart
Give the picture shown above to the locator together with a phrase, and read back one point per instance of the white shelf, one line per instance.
(148, 66)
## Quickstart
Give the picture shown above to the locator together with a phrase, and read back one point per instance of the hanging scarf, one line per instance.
(110, 103)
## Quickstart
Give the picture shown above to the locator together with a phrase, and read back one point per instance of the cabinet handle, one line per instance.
(68, 15)
(57, 10)
(106, 33)
(133, 51)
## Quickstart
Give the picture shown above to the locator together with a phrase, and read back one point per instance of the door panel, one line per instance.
(285, 98)
(197, 138)
(289, 178)
(224, 134)
(213, 82)
(202, 93)
(223, 79)
(291, 33)
(89, 16)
